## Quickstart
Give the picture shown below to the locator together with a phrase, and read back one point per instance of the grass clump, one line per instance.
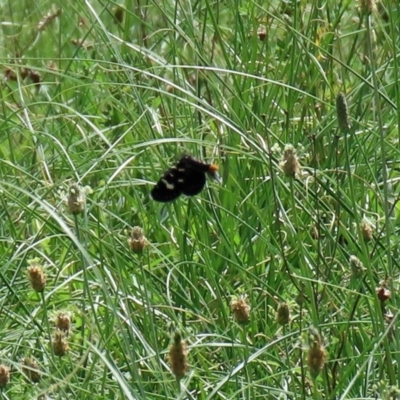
(100, 98)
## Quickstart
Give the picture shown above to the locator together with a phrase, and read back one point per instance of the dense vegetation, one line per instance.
(278, 283)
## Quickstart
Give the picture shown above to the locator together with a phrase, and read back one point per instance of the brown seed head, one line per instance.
(170, 89)
(137, 242)
(342, 113)
(367, 6)
(367, 230)
(46, 20)
(357, 267)
(240, 309)
(63, 322)
(36, 277)
(31, 369)
(262, 33)
(4, 375)
(316, 358)
(290, 162)
(283, 314)
(59, 343)
(76, 199)
(383, 293)
(178, 357)
(316, 355)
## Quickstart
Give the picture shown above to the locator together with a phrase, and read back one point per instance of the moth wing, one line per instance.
(167, 188)
(194, 182)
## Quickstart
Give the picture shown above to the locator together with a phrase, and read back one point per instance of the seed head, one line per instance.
(178, 357)
(262, 32)
(76, 199)
(240, 309)
(357, 267)
(316, 354)
(31, 369)
(137, 241)
(383, 292)
(283, 314)
(46, 20)
(342, 113)
(367, 229)
(4, 375)
(63, 322)
(316, 358)
(60, 343)
(36, 276)
(290, 162)
(367, 6)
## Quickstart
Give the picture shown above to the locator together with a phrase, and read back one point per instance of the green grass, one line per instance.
(194, 77)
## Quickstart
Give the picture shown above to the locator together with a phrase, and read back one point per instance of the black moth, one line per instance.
(187, 177)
